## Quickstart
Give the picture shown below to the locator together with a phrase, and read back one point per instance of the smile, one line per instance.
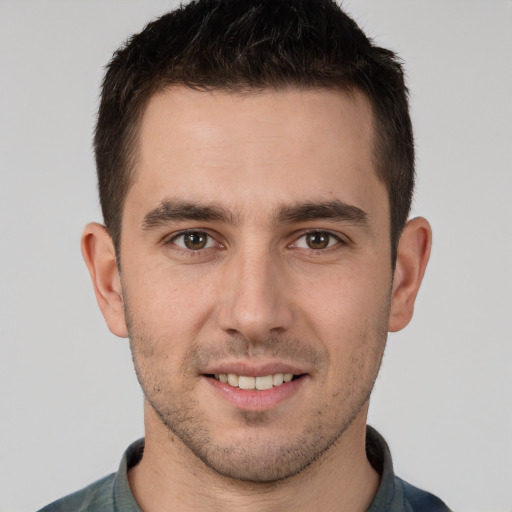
(254, 383)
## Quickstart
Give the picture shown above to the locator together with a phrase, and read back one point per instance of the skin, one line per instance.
(274, 289)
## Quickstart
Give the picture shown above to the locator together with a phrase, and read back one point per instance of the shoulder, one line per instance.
(97, 497)
(395, 494)
(109, 494)
(419, 500)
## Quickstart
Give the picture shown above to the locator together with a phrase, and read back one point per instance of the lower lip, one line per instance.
(255, 400)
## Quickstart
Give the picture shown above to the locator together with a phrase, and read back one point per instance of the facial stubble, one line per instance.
(254, 456)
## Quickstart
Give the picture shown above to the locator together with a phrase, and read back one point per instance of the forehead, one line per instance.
(255, 148)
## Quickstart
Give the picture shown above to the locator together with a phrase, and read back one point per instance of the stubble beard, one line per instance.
(254, 457)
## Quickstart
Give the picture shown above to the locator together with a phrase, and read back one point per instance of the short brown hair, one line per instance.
(235, 45)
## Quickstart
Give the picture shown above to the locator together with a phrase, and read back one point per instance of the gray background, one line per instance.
(69, 400)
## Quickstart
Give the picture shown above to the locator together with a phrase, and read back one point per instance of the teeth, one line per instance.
(233, 380)
(246, 382)
(278, 379)
(260, 383)
(263, 383)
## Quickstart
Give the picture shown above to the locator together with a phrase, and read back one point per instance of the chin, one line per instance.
(267, 464)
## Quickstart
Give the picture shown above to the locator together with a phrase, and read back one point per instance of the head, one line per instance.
(255, 162)
(243, 46)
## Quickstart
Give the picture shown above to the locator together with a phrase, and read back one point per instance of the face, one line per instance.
(256, 274)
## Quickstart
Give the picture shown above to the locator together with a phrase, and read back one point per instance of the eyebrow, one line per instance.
(330, 210)
(173, 210)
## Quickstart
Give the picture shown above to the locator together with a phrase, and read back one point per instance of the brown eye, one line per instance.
(318, 240)
(193, 240)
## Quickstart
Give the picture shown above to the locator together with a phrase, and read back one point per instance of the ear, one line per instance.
(100, 258)
(412, 258)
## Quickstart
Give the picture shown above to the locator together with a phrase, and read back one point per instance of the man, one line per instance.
(256, 165)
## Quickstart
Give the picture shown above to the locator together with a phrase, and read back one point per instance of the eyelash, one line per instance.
(338, 241)
(334, 240)
(183, 234)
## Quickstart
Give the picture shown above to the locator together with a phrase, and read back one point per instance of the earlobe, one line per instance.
(100, 258)
(412, 258)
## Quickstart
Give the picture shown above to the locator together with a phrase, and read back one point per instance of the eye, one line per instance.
(317, 240)
(193, 240)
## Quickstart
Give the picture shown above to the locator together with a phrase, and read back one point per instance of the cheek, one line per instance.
(166, 304)
(349, 297)
(348, 312)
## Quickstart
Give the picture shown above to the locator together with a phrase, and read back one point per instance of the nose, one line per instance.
(254, 299)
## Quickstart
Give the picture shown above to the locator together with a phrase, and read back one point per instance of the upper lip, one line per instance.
(251, 369)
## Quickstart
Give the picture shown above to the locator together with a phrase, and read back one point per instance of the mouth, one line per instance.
(256, 389)
(258, 383)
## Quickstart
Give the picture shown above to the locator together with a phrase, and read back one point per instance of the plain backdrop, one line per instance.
(69, 400)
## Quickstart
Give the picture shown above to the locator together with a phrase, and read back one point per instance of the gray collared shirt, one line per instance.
(113, 494)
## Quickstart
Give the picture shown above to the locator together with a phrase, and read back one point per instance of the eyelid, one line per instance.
(340, 239)
(170, 239)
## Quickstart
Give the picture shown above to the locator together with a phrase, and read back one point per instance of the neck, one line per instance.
(170, 476)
